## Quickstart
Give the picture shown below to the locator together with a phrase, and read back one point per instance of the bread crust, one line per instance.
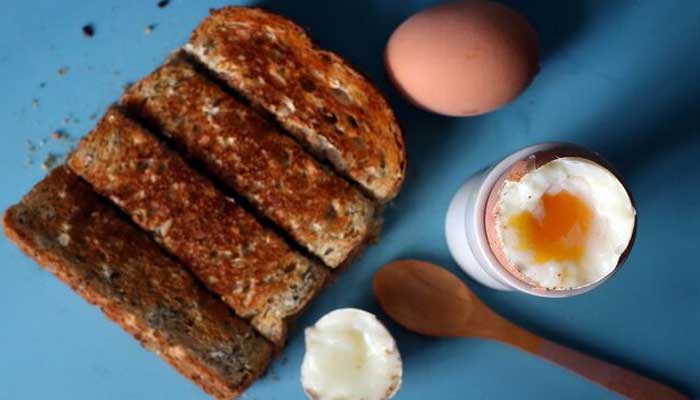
(251, 267)
(65, 227)
(317, 208)
(317, 96)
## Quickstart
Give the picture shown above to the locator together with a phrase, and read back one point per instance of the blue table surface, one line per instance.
(621, 77)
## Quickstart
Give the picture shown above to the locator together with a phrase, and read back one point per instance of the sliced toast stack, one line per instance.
(213, 203)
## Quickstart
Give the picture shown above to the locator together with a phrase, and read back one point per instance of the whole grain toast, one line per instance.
(318, 209)
(70, 231)
(326, 104)
(250, 266)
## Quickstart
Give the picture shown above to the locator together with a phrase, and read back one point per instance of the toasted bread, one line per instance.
(70, 231)
(327, 105)
(251, 267)
(317, 208)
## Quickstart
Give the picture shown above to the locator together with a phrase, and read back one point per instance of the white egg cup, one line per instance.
(466, 234)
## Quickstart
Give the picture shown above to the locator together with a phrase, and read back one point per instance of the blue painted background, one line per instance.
(622, 77)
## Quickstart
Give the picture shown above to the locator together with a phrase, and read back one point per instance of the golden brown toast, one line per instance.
(292, 101)
(70, 231)
(317, 208)
(250, 266)
(326, 104)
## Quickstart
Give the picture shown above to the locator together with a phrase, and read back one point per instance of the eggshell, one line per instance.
(463, 58)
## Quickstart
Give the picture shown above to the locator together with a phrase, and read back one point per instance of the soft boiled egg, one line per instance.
(350, 356)
(560, 225)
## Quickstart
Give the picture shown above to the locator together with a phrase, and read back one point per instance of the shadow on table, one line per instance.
(646, 141)
(556, 22)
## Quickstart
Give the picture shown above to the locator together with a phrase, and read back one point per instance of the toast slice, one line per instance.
(326, 104)
(251, 267)
(317, 208)
(70, 231)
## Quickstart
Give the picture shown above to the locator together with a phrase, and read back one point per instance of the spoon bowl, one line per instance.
(439, 306)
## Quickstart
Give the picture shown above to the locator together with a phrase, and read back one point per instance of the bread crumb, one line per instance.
(88, 30)
(58, 135)
(49, 162)
(149, 29)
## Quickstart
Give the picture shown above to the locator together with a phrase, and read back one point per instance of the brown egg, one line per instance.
(463, 58)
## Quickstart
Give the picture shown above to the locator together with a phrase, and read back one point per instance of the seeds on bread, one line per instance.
(250, 266)
(327, 105)
(317, 208)
(70, 231)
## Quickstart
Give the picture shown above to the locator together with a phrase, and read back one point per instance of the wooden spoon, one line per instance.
(429, 300)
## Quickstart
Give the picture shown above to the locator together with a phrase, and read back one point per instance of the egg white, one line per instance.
(350, 355)
(611, 230)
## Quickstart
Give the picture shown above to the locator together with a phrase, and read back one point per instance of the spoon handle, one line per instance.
(625, 382)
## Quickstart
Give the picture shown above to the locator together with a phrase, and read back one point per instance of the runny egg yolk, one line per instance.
(559, 232)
